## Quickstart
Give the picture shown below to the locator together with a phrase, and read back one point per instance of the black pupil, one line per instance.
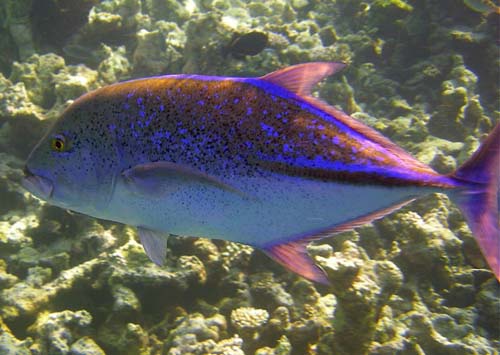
(58, 144)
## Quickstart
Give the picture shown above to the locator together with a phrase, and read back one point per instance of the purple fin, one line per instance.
(301, 78)
(293, 255)
(479, 201)
(358, 222)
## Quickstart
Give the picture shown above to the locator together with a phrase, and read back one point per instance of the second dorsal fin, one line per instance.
(301, 78)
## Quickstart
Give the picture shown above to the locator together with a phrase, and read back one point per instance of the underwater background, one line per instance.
(424, 73)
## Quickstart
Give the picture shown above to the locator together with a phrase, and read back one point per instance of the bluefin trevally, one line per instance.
(257, 161)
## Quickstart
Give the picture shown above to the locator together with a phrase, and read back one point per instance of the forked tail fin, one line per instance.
(479, 202)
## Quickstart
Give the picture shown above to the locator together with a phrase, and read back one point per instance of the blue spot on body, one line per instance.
(270, 131)
(150, 118)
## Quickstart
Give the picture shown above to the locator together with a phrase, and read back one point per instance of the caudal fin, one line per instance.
(479, 202)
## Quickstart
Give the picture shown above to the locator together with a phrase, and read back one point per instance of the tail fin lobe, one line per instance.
(479, 202)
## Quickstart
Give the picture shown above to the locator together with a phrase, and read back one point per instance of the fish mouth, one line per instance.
(38, 185)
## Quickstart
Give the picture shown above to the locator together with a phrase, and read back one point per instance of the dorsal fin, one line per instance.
(301, 78)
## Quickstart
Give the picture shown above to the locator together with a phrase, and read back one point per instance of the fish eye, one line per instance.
(58, 143)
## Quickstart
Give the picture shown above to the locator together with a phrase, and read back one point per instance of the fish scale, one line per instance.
(230, 135)
(257, 161)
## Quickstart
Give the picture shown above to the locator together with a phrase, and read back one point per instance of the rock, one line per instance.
(361, 288)
(431, 341)
(414, 282)
(126, 303)
(447, 122)
(15, 103)
(56, 331)
(194, 332)
(282, 348)
(18, 22)
(149, 57)
(9, 345)
(24, 299)
(74, 81)
(85, 346)
(37, 73)
(488, 305)
(455, 96)
(114, 66)
(190, 346)
(268, 293)
(6, 280)
(249, 319)
(299, 4)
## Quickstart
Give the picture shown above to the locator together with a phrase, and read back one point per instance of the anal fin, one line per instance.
(294, 256)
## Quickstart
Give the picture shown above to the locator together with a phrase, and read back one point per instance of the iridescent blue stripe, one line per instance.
(371, 171)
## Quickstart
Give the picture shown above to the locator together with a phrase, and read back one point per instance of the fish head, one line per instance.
(70, 167)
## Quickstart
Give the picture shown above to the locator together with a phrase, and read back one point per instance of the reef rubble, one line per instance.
(422, 73)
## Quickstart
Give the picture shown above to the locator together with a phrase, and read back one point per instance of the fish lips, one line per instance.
(38, 185)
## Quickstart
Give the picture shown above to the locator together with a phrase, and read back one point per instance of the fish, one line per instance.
(485, 7)
(251, 43)
(256, 160)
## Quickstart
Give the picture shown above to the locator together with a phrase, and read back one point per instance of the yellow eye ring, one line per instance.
(58, 144)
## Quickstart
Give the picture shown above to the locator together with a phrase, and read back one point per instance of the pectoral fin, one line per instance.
(162, 178)
(154, 244)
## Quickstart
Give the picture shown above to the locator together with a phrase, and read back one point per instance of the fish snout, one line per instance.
(37, 185)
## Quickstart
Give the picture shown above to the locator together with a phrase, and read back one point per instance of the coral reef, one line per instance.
(423, 73)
